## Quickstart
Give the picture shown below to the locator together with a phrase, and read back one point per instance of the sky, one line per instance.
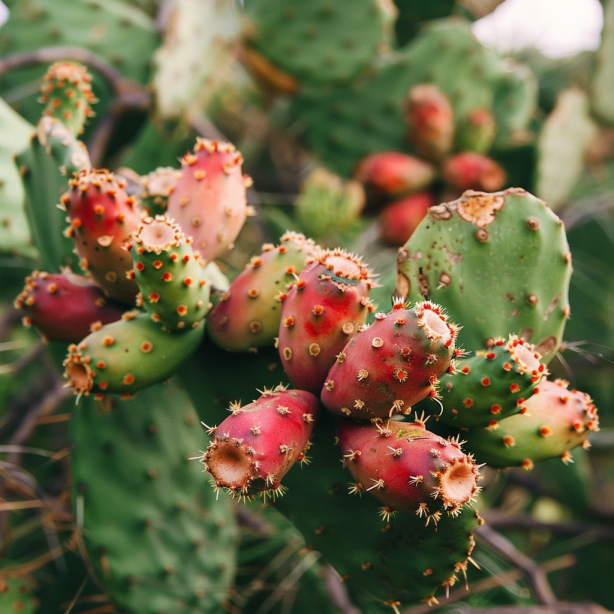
(557, 28)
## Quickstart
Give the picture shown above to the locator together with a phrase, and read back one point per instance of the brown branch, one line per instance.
(491, 582)
(337, 592)
(535, 574)
(497, 519)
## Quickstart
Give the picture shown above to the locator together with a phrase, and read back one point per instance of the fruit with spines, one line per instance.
(157, 187)
(430, 117)
(259, 443)
(102, 218)
(68, 95)
(17, 593)
(473, 171)
(553, 421)
(128, 355)
(408, 468)
(209, 199)
(499, 263)
(248, 314)
(322, 310)
(392, 364)
(394, 173)
(173, 287)
(65, 307)
(490, 385)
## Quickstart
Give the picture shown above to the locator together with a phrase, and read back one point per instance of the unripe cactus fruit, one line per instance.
(554, 420)
(399, 219)
(408, 468)
(430, 117)
(64, 307)
(172, 282)
(491, 385)
(209, 199)
(258, 443)
(102, 218)
(128, 355)
(392, 364)
(393, 173)
(473, 171)
(477, 131)
(68, 95)
(249, 314)
(323, 309)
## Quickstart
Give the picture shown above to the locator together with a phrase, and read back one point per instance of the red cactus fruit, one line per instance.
(324, 308)
(65, 307)
(249, 313)
(258, 443)
(392, 364)
(102, 217)
(393, 172)
(408, 468)
(473, 171)
(209, 199)
(399, 219)
(430, 117)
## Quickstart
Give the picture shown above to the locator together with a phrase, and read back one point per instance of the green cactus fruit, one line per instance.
(259, 443)
(430, 117)
(128, 355)
(393, 173)
(63, 307)
(248, 314)
(391, 364)
(553, 421)
(156, 537)
(172, 283)
(319, 41)
(408, 468)
(51, 158)
(209, 199)
(322, 310)
(398, 559)
(498, 263)
(476, 131)
(472, 171)
(327, 203)
(68, 95)
(17, 594)
(157, 187)
(102, 218)
(489, 386)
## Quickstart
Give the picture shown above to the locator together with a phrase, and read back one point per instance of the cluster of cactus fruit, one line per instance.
(479, 309)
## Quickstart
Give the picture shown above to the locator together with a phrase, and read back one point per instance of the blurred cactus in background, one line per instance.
(305, 306)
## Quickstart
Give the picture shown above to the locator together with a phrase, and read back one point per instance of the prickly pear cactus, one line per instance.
(499, 263)
(154, 533)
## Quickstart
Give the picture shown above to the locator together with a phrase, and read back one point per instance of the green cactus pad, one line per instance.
(172, 282)
(128, 355)
(346, 123)
(14, 136)
(489, 386)
(320, 40)
(52, 157)
(156, 537)
(399, 559)
(499, 263)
